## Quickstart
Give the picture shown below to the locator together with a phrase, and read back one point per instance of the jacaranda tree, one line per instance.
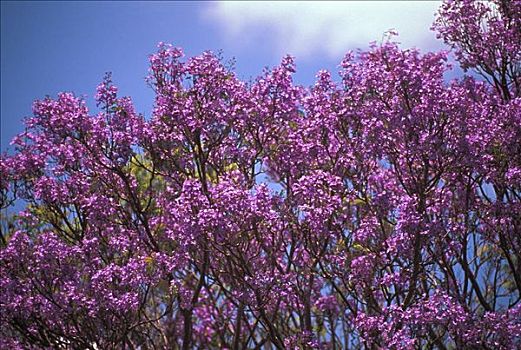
(380, 211)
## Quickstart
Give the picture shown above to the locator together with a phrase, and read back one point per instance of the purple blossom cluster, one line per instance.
(380, 211)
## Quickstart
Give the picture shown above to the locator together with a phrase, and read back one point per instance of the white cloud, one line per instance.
(307, 29)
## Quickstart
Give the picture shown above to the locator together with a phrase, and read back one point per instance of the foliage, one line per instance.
(381, 211)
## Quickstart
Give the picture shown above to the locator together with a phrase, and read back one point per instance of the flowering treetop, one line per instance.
(381, 211)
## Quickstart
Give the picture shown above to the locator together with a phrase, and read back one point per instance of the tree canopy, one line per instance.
(379, 211)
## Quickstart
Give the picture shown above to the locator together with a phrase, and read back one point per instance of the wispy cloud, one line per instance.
(308, 29)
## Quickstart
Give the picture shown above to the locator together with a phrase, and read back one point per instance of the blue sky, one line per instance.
(48, 47)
